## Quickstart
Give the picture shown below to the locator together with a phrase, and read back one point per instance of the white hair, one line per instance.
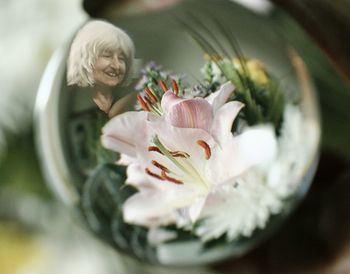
(89, 43)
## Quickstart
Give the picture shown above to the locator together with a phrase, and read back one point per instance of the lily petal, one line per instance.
(169, 99)
(125, 160)
(124, 132)
(196, 209)
(255, 146)
(187, 113)
(136, 176)
(156, 207)
(147, 208)
(223, 120)
(220, 97)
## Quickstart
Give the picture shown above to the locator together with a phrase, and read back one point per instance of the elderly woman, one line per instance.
(101, 57)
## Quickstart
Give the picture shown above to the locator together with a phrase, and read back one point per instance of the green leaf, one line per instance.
(262, 104)
(102, 199)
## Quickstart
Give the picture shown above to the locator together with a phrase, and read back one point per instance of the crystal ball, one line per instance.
(180, 134)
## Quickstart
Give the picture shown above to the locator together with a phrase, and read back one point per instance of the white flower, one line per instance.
(260, 192)
(239, 209)
(294, 153)
(183, 155)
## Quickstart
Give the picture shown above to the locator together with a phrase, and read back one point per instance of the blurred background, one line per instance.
(37, 235)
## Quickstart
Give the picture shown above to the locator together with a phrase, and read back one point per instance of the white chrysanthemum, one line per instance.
(294, 152)
(239, 210)
(259, 193)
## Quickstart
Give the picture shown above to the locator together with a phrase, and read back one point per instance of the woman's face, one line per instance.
(110, 68)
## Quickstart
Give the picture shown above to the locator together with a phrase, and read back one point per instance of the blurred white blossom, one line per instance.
(30, 31)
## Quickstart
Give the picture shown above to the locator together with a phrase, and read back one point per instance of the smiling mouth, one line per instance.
(112, 74)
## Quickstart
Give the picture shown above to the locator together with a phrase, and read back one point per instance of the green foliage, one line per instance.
(264, 102)
(102, 198)
(85, 141)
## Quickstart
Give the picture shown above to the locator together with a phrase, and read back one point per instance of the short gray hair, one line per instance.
(90, 41)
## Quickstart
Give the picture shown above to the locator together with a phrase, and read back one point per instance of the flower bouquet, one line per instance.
(210, 164)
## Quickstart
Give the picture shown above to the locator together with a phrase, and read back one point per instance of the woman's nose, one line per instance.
(115, 62)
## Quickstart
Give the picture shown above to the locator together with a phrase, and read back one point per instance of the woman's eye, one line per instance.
(107, 54)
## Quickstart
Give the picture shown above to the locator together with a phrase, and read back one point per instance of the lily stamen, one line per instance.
(163, 86)
(187, 168)
(142, 103)
(166, 153)
(206, 148)
(175, 86)
(160, 166)
(151, 106)
(148, 102)
(151, 95)
(154, 148)
(170, 179)
(180, 154)
(153, 174)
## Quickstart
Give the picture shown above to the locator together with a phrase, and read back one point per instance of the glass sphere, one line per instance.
(198, 200)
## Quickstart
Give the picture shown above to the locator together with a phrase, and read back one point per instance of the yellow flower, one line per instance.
(256, 70)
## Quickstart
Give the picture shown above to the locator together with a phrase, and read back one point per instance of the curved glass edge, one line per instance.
(47, 130)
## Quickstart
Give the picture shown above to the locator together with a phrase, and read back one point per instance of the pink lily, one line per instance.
(178, 158)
